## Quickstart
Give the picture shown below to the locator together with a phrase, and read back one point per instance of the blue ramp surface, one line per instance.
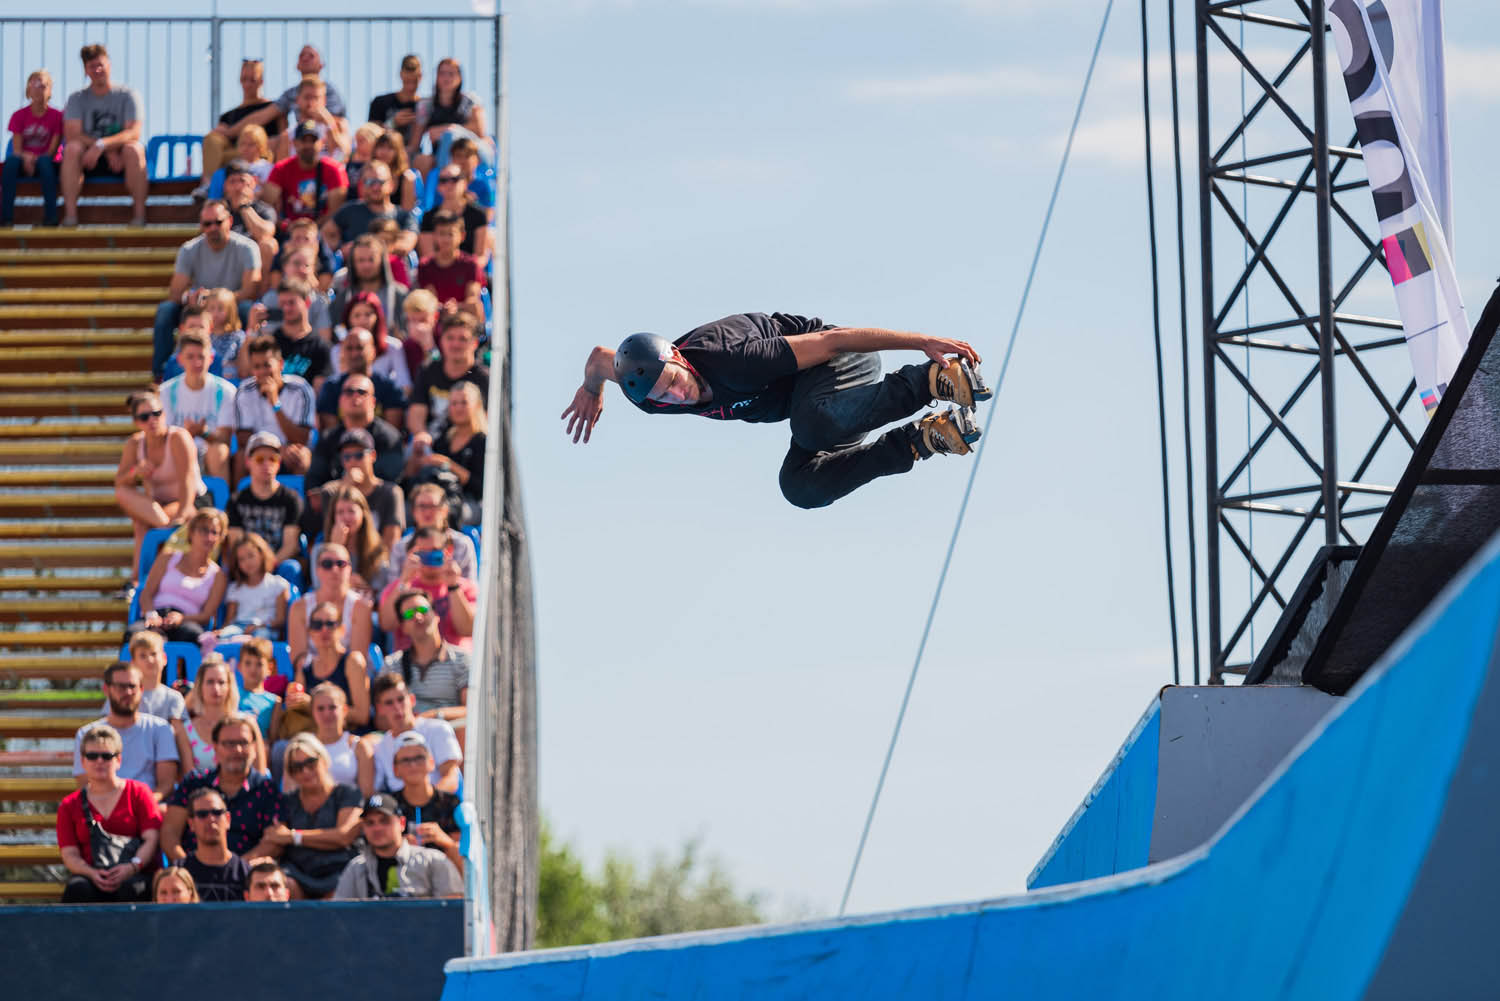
(1296, 896)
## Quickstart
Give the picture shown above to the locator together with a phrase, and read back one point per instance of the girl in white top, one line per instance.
(330, 710)
(256, 601)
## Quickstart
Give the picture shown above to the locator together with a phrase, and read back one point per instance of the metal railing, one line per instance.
(186, 69)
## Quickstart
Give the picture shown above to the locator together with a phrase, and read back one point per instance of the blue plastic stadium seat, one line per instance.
(172, 143)
(472, 531)
(190, 657)
(375, 660)
(218, 489)
(153, 541)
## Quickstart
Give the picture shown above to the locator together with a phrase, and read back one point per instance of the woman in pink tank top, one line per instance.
(157, 481)
(183, 591)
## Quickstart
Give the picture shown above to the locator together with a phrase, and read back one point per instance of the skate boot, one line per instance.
(957, 382)
(951, 432)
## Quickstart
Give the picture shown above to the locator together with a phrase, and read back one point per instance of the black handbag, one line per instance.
(108, 850)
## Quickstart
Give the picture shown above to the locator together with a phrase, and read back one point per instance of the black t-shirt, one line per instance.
(475, 218)
(233, 116)
(383, 109)
(385, 872)
(431, 388)
(746, 362)
(308, 357)
(455, 114)
(471, 457)
(266, 518)
(219, 883)
(441, 809)
(325, 463)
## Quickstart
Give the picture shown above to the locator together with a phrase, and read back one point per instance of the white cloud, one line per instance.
(1471, 72)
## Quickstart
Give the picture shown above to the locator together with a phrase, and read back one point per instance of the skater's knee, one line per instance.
(801, 493)
(822, 428)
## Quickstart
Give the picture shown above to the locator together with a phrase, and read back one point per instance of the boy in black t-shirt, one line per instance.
(458, 343)
(265, 506)
(825, 380)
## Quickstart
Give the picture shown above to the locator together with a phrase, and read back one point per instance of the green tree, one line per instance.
(685, 892)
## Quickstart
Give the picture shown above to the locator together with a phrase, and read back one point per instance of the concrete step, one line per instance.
(19, 295)
(99, 555)
(59, 453)
(138, 256)
(118, 428)
(55, 504)
(63, 610)
(30, 891)
(34, 854)
(55, 338)
(58, 639)
(112, 316)
(63, 404)
(83, 476)
(102, 358)
(34, 381)
(61, 582)
(31, 789)
(90, 528)
(54, 700)
(86, 276)
(111, 237)
(40, 759)
(38, 727)
(72, 667)
(97, 188)
(30, 214)
(28, 821)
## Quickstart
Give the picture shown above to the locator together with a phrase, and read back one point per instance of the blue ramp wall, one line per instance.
(1295, 898)
(1111, 831)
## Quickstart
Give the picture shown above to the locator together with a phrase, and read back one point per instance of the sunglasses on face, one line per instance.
(211, 223)
(146, 415)
(412, 759)
(447, 178)
(293, 767)
(318, 625)
(204, 814)
(351, 456)
(333, 564)
(412, 611)
(100, 755)
(355, 391)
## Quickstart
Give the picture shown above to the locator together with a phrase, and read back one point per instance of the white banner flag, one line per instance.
(1392, 57)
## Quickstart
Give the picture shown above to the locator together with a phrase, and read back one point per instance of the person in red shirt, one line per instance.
(123, 808)
(450, 274)
(305, 185)
(36, 130)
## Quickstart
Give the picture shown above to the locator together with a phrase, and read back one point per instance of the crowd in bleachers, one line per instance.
(304, 481)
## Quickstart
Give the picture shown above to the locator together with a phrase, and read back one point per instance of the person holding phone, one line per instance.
(429, 568)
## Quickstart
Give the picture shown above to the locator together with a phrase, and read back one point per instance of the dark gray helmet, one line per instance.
(639, 362)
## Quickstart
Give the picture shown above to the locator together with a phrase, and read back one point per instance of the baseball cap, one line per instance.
(411, 738)
(383, 803)
(263, 439)
(237, 166)
(357, 436)
(306, 129)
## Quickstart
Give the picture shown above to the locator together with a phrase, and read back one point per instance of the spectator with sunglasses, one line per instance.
(354, 218)
(149, 751)
(358, 354)
(429, 569)
(157, 482)
(220, 874)
(251, 797)
(320, 821)
(453, 189)
(107, 831)
(431, 813)
(361, 449)
(217, 258)
(330, 660)
(428, 503)
(331, 571)
(435, 671)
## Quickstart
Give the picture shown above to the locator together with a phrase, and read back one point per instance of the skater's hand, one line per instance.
(939, 349)
(583, 413)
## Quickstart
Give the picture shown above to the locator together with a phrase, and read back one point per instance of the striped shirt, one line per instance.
(437, 684)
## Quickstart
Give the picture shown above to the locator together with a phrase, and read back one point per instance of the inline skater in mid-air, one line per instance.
(826, 380)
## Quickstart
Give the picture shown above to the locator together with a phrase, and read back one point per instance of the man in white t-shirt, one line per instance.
(200, 402)
(284, 405)
(395, 710)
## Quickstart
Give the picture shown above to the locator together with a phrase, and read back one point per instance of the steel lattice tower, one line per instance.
(1308, 396)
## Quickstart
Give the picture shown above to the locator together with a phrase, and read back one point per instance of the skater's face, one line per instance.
(676, 385)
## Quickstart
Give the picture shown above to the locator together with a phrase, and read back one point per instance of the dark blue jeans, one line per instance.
(834, 406)
(164, 336)
(46, 172)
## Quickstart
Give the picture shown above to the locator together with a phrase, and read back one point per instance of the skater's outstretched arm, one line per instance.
(820, 345)
(588, 403)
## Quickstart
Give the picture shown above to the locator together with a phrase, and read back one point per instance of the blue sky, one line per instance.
(715, 662)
